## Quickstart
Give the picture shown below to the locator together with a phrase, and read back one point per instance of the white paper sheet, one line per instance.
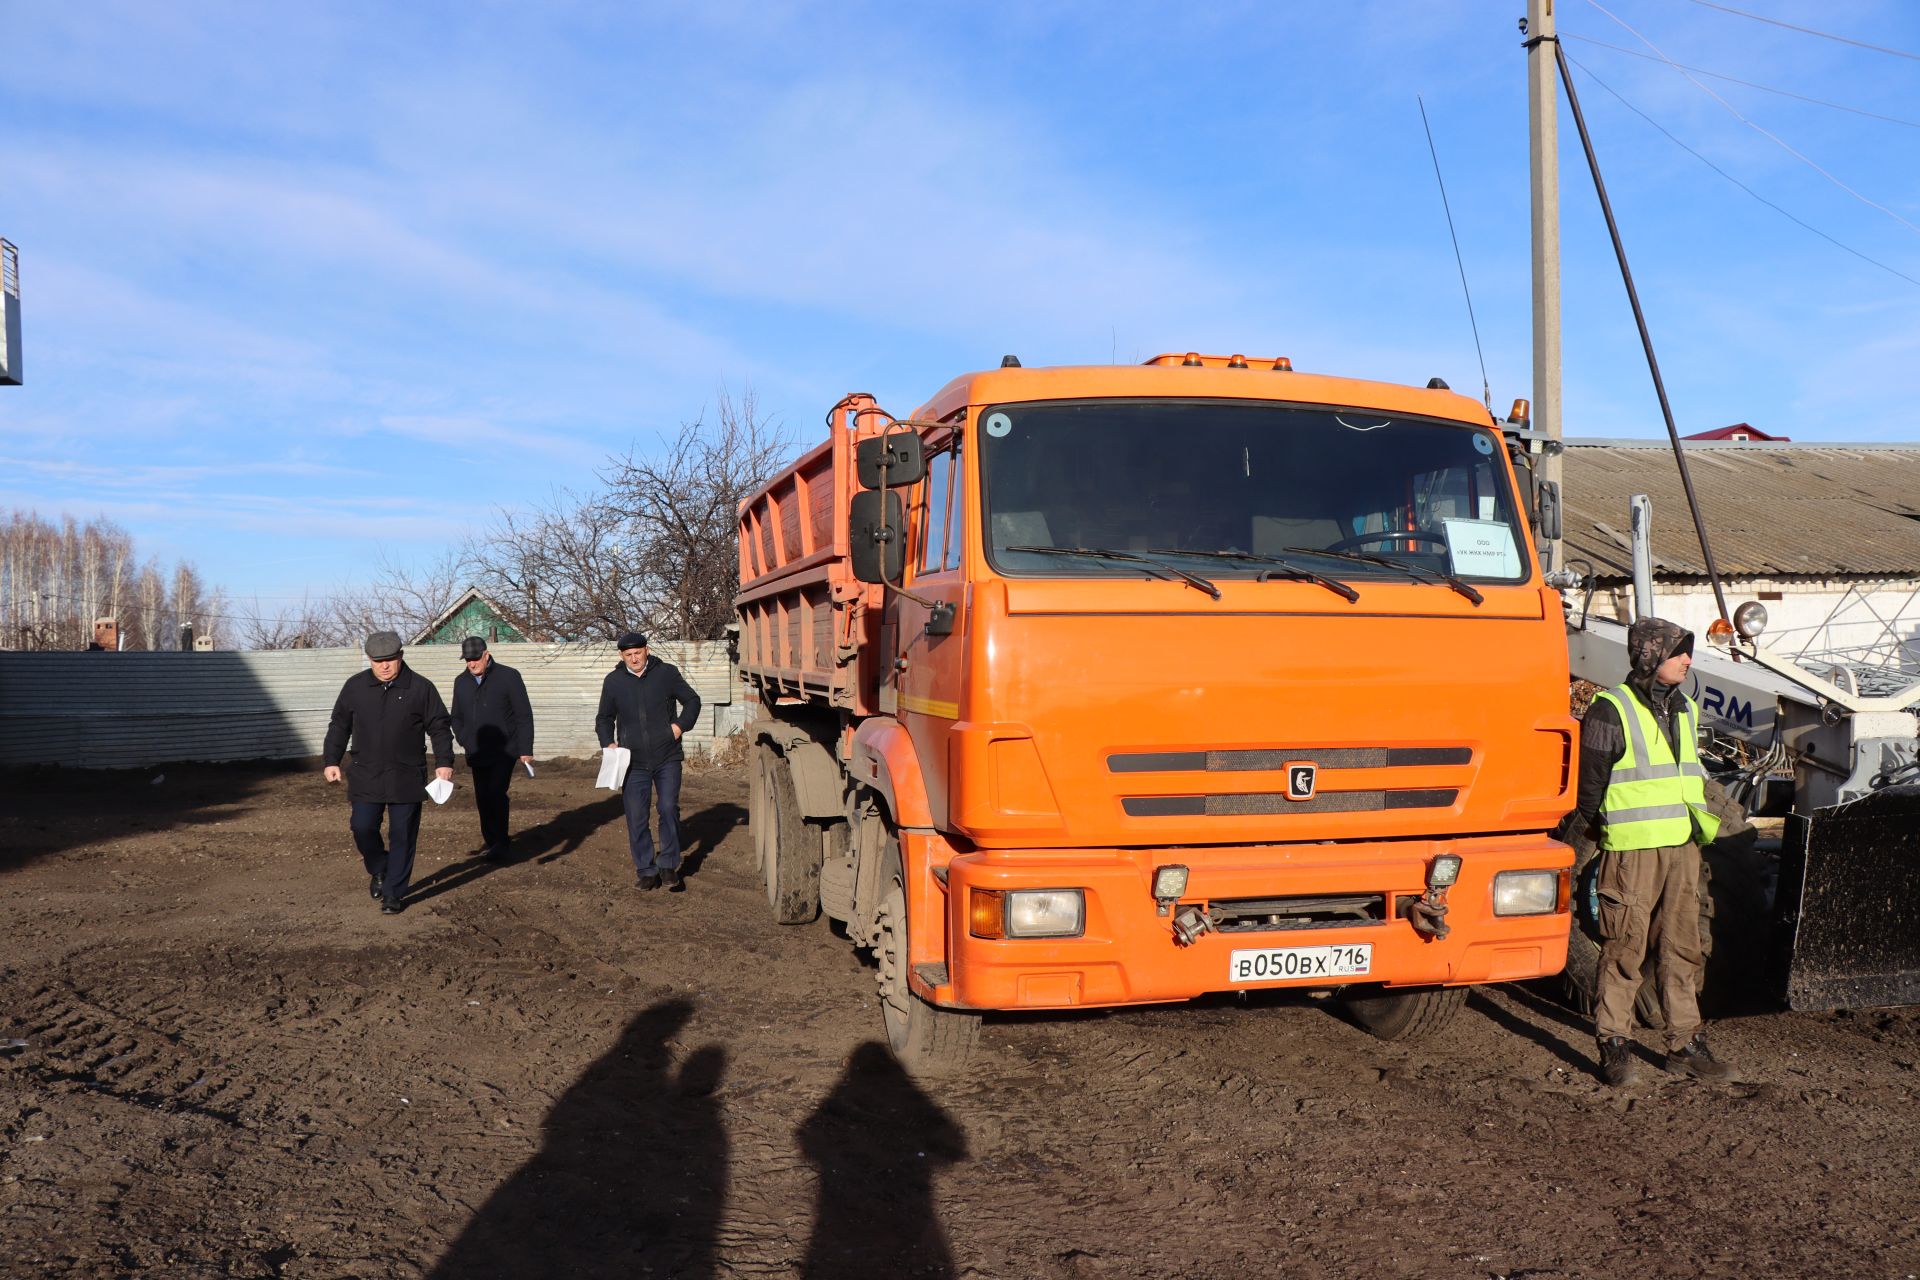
(1481, 548)
(613, 768)
(439, 789)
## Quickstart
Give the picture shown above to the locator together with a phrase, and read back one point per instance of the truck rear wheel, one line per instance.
(1411, 1014)
(927, 1040)
(792, 857)
(761, 819)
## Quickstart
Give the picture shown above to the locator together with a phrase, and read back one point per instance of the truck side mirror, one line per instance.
(1547, 506)
(899, 452)
(877, 533)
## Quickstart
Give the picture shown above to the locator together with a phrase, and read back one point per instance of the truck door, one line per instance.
(929, 639)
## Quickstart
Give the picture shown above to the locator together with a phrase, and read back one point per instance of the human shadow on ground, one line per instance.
(877, 1141)
(555, 838)
(1574, 1029)
(704, 832)
(631, 1177)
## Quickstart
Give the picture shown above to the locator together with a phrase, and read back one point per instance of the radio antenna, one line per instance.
(1486, 390)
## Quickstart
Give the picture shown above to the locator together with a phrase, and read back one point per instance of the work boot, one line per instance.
(647, 880)
(1695, 1059)
(1616, 1061)
(672, 881)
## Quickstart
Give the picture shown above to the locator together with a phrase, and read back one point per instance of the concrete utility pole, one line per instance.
(1543, 117)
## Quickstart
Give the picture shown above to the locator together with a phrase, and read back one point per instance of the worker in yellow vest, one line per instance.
(1642, 787)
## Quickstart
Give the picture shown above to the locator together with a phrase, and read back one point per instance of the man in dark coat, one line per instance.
(388, 712)
(638, 701)
(493, 723)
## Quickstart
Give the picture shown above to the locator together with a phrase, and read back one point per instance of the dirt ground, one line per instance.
(220, 1060)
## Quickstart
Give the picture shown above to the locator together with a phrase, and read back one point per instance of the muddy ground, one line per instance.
(234, 1066)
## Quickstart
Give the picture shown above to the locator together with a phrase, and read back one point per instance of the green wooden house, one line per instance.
(471, 614)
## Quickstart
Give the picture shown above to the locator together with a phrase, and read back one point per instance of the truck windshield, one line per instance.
(1218, 486)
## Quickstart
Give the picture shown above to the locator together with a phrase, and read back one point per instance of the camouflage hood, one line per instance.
(1651, 641)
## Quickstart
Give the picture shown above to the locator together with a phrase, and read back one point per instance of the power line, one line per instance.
(1791, 217)
(1764, 88)
(1809, 31)
(1771, 137)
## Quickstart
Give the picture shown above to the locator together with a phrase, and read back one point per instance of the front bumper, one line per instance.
(1128, 954)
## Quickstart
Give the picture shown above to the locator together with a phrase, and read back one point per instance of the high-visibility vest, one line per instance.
(1654, 800)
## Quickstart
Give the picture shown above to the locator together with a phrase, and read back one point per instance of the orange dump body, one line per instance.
(1088, 719)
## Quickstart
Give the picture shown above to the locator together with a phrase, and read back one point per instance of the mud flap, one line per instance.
(1847, 918)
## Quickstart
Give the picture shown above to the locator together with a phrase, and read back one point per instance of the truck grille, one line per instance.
(1275, 802)
(1275, 760)
(1266, 915)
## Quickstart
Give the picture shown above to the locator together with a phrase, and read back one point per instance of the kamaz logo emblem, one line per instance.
(1300, 781)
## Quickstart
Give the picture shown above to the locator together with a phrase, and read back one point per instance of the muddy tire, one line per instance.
(762, 821)
(1409, 1015)
(792, 858)
(930, 1042)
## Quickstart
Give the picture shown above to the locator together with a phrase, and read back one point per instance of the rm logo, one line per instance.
(1300, 781)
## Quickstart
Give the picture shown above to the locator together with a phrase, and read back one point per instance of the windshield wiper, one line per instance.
(1102, 553)
(1411, 570)
(1293, 570)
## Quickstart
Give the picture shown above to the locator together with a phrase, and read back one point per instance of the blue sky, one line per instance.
(309, 284)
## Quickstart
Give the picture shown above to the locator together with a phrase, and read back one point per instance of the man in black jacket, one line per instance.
(639, 696)
(493, 723)
(387, 711)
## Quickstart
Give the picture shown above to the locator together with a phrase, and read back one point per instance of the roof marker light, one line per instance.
(1237, 362)
(1192, 360)
(1282, 365)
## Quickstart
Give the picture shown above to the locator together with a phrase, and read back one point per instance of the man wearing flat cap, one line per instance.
(493, 723)
(388, 712)
(645, 706)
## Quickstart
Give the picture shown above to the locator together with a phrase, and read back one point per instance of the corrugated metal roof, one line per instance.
(118, 710)
(1771, 510)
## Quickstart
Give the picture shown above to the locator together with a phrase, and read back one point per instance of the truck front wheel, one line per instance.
(1412, 1014)
(928, 1040)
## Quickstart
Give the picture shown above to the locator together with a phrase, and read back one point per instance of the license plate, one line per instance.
(1287, 964)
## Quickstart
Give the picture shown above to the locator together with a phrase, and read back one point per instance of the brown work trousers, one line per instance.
(1649, 903)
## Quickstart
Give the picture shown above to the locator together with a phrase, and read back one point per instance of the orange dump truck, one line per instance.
(1124, 684)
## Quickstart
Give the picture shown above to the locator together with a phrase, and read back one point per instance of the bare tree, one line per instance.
(56, 579)
(681, 511)
(402, 598)
(309, 624)
(562, 572)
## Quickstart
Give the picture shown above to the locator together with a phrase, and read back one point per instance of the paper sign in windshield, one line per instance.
(1481, 548)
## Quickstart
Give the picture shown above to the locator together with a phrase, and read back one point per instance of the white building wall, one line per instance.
(1875, 621)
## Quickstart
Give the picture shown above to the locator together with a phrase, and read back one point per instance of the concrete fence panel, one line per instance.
(122, 710)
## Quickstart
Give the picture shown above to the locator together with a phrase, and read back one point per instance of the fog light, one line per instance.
(1750, 619)
(1525, 893)
(1046, 913)
(1169, 883)
(1443, 871)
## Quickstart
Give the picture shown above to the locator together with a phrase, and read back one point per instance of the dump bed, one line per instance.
(806, 623)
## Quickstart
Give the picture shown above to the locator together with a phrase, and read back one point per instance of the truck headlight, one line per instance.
(1046, 913)
(1525, 893)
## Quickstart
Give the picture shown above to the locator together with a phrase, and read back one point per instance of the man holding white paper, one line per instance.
(493, 723)
(388, 712)
(645, 707)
